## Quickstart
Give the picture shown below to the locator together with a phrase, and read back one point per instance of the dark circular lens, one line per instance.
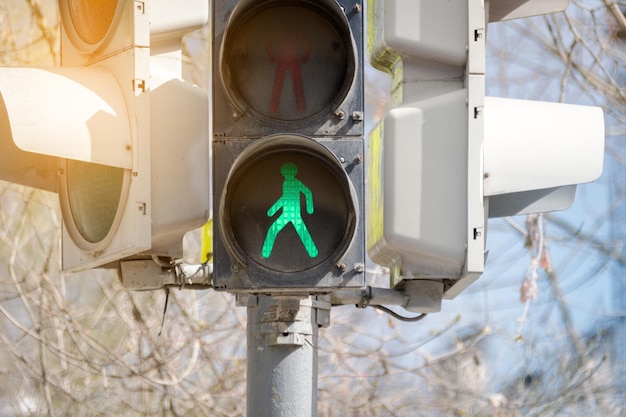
(94, 193)
(287, 62)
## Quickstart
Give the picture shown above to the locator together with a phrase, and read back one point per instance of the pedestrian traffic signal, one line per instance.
(112, 131)
(288, 145)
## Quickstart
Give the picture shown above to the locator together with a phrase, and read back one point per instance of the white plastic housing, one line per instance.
(414, 28)
(424, 200)
(427, 216)
(181, 178)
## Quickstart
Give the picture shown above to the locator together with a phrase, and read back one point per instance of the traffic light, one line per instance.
(288, 145)
(446, 157)
(113, 130)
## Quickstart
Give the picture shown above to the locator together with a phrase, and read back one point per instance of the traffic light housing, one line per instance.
(446, 157)
(104, 132)
(426, 213)
(288, 145)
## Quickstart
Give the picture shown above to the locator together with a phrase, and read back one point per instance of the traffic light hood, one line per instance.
(74, 113)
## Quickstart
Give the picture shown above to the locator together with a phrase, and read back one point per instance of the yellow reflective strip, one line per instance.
(206, 242)
(374, 189)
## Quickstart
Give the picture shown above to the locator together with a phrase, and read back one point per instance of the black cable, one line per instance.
(398, 316)
(167, 298)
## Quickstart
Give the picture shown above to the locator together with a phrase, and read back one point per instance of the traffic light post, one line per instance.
(288, 151)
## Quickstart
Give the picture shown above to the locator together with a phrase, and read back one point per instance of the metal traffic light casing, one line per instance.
(94, 128)
(288, 145)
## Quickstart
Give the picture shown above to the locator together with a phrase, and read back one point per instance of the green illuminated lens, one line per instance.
(289, 206)
(94, 193)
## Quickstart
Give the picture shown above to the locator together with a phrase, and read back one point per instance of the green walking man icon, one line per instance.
(289, 202)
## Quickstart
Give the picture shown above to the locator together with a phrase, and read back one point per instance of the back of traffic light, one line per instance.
(447, 157)
(288, 145)
(426, 213)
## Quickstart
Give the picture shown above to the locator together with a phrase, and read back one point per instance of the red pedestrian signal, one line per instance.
(288, 49)
(286, 61)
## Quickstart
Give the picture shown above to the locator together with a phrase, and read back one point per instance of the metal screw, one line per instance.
(357, 116)
(357, 7)
(358, 159)
(341, 266)
(359, 268)
(139, 7)
(340, 113)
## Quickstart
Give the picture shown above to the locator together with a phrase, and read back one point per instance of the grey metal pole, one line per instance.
(282, 354)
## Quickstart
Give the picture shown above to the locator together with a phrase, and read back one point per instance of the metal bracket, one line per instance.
(146, 275)
(417, 295)
(291, 320)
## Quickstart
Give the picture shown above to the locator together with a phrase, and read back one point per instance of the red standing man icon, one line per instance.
(288, 49)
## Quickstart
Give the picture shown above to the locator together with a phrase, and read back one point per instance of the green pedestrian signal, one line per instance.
(288, 145)
(289, 212)
(289, 205)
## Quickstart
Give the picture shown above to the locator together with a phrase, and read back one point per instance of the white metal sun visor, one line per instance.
(515, 9)
(75, 113)
(532, 145)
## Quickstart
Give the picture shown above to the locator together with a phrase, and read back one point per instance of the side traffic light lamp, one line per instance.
(288, 146)
(446, 158)
(112, 131)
